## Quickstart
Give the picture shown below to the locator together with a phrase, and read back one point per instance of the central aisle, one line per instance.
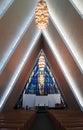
(42, 122)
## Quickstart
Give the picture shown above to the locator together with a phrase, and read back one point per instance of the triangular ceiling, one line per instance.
(21, 41)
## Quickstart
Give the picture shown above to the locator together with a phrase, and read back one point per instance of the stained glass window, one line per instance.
(41, 80)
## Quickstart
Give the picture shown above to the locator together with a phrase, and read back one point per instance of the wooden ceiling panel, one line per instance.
(66, 91)
(24, 75)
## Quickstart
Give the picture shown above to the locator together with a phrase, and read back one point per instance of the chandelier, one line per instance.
(41, 15)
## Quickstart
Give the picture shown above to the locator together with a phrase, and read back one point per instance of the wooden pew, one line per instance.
(12, 126)
(20, 120)
(75, 128)
(9, 129)
(64, 120)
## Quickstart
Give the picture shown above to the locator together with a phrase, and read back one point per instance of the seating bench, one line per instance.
(66, 120)
(18, 120)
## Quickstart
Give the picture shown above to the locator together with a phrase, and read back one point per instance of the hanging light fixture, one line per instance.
(41, 15)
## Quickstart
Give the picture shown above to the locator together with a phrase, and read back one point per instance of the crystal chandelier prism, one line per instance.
(41, 15)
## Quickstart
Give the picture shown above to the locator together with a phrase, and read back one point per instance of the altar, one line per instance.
(32, 100)
(41, 100)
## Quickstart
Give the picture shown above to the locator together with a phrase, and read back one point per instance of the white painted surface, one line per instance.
(53, 99)
(28, 100)
(32, 100)
(41, 100)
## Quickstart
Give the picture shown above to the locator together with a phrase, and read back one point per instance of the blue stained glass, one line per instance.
(50, 85)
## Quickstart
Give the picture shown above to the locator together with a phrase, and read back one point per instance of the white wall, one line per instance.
(32, 100)
(28, 100)
(53, 99)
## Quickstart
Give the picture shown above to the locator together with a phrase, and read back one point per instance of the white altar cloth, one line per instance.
(32, 100)
(41, 100)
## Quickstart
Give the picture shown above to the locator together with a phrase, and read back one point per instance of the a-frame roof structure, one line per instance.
(21, 41)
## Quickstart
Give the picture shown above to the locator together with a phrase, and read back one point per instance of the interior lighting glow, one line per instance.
(78, 5)
(41, 15)
(64, 68)
(41, 79)
(18, 70)
(4, 5)
(67, 40)
(12, 46)
(41, 76)
(41, 63)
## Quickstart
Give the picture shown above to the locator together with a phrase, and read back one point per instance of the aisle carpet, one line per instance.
(42, 122)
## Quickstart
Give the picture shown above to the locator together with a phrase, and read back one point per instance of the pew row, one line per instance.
(66, 119)
(9, 129)
(17, 119)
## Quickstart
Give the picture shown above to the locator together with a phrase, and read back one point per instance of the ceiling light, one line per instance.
(41, 15)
